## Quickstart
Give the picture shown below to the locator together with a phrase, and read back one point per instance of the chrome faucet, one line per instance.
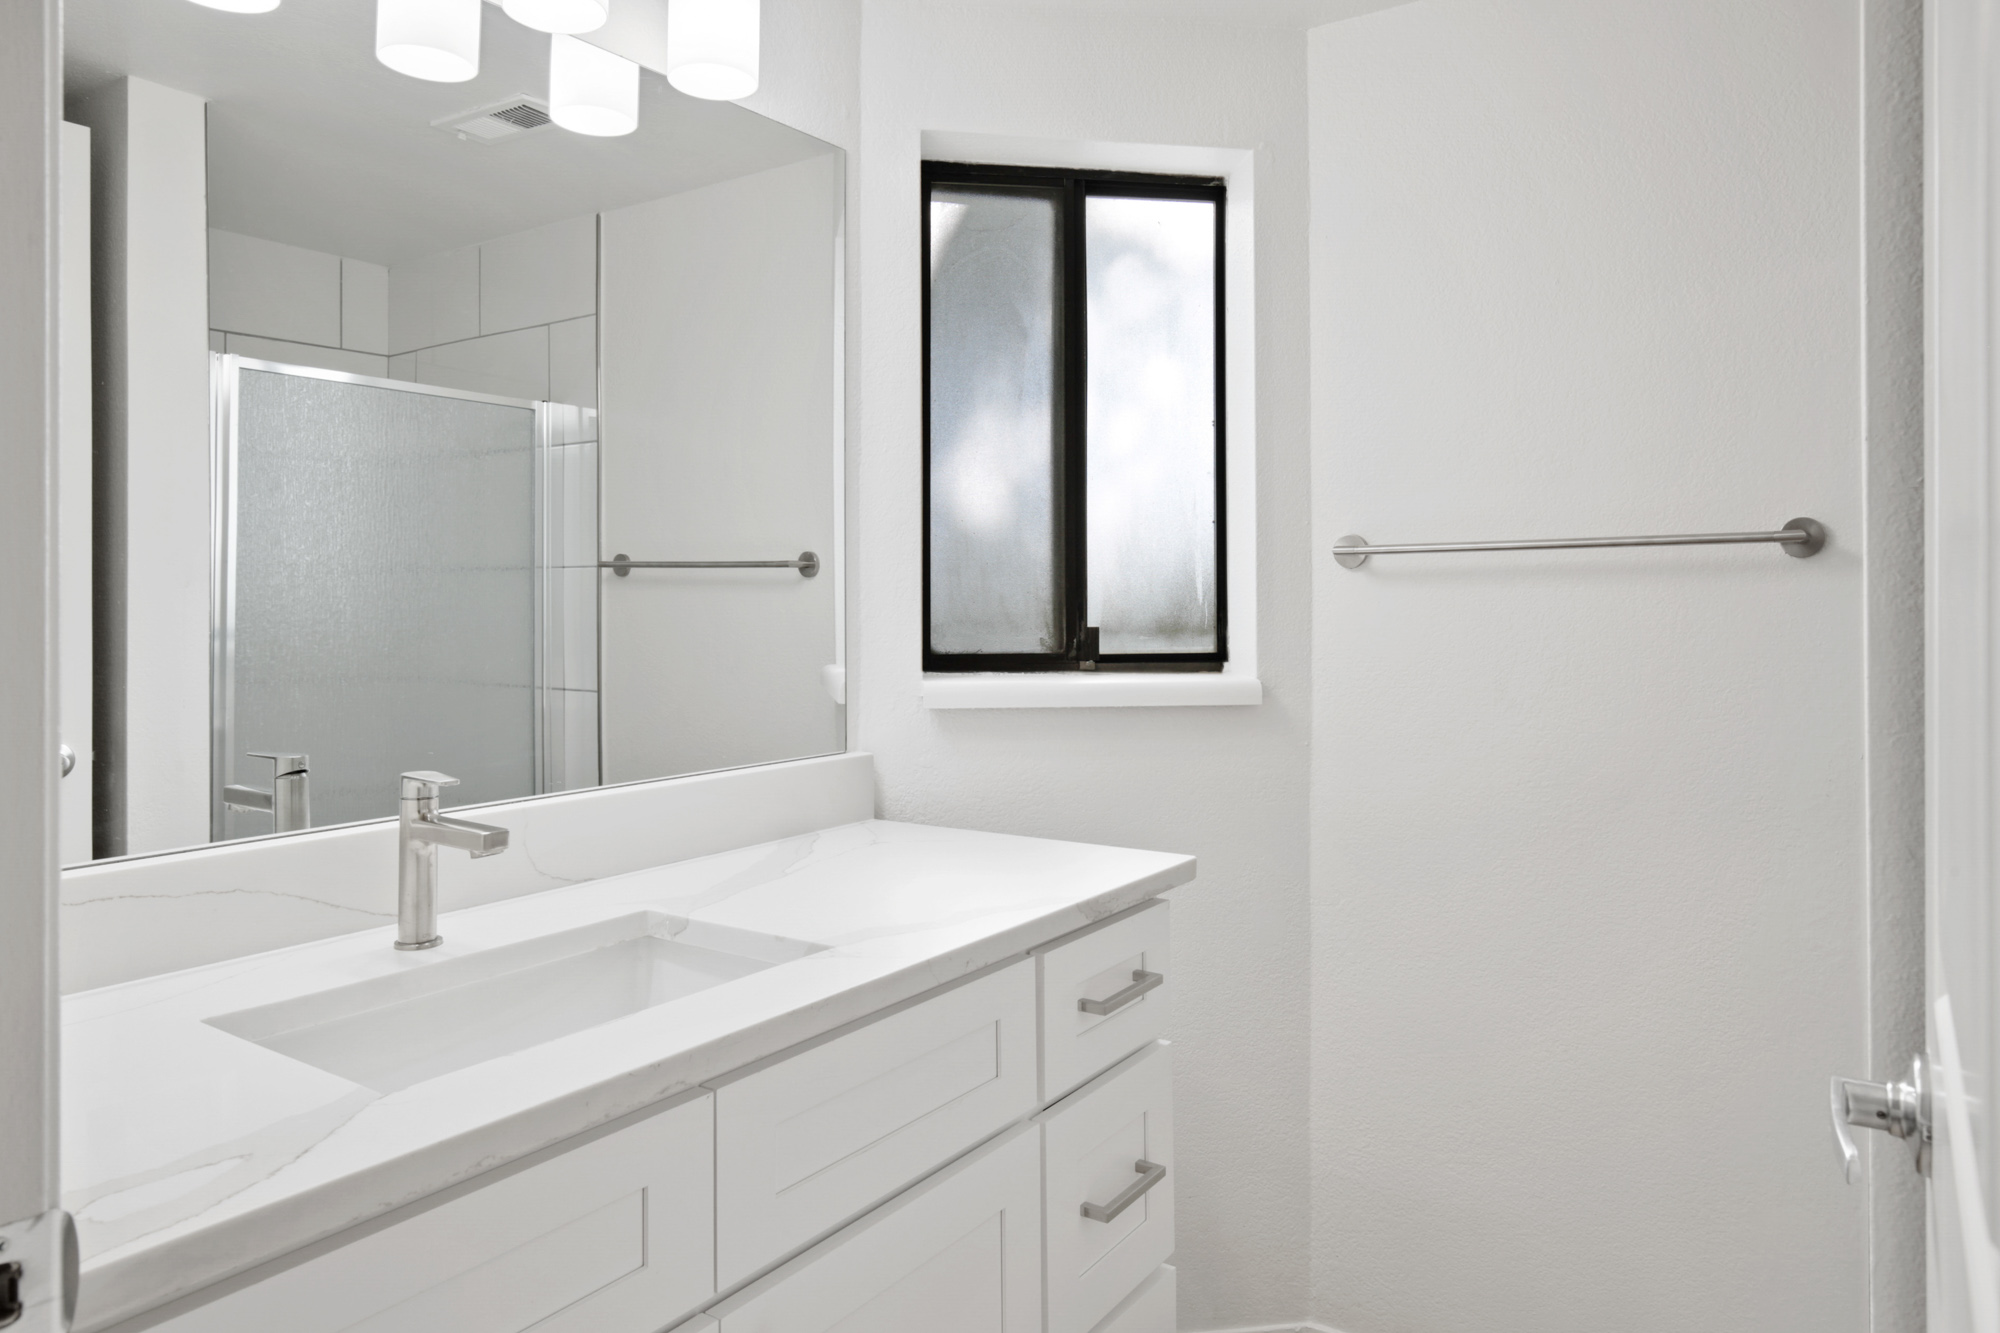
(288, 800)
(422, 832)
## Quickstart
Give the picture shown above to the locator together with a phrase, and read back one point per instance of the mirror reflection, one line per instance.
(425, 433)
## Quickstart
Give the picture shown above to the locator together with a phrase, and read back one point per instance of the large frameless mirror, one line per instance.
(420, 432)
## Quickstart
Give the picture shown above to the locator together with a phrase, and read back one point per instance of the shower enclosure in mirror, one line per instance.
(431, 435)
(389, 592)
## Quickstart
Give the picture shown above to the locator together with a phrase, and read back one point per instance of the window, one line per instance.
(1073, 423)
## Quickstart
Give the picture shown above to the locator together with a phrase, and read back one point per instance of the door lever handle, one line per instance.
(1902, 1110)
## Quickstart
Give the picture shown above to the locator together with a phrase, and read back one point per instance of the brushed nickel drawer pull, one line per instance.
(1150, 1174)
(1111, 1004)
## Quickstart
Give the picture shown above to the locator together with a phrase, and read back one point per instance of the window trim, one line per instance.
(1076, 185)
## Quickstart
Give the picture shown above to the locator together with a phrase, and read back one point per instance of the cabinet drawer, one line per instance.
(614, 1235)
(959, 1253)
(1096, 969)
(1093, 1142)
(810, 1140)
(1151, 1309)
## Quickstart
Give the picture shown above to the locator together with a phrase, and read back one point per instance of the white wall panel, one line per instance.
(271, 290)
(1588, 826)
(306, 354)
(719, 404)
(573, 362)
(540, 276)
(364, 306)
(150, 257)
(510, 365)
(434, 300)
(1226, 784)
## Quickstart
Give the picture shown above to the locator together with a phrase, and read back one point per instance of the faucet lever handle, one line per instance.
(425, 784)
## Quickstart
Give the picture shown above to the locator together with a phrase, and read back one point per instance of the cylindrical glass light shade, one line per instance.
(429, 39)
(591, 91)
(712, 48)
(241, 6)
(558, 15)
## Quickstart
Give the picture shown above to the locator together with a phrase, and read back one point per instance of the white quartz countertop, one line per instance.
(190, 1154)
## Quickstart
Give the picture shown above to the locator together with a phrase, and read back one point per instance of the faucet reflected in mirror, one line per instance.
(421, 832)
(289, 801)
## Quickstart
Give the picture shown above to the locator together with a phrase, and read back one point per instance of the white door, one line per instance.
(73, 491)
(1962, 540)
(31, 1230)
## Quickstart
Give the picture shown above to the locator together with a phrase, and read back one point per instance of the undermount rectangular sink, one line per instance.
(393, 1031)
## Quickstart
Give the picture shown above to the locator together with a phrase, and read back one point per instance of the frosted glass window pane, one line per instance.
(1152, 519)
(384, 608)
(993, 422)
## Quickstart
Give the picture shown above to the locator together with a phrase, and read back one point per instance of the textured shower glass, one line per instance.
(993, 425)
(1150, 267)
(384, 592)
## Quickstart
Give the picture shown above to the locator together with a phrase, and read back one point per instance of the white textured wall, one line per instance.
(1589, 862)
(1226, 784)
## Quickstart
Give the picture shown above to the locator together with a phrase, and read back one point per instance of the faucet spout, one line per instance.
(462, 834)
(420, 832)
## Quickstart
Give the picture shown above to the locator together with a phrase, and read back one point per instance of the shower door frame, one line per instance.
(225, 369)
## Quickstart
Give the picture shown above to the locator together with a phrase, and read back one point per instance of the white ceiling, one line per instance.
(1259, 13)
(313, 142)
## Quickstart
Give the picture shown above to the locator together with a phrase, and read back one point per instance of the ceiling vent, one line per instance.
(501, 120)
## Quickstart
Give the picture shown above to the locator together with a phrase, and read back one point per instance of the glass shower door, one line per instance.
(377, 587)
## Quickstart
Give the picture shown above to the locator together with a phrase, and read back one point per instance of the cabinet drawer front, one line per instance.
(612, 1236)
(959, 1252)
(1092, 1144)
(807, 1142)
(1151, 1309)
(1116, 959)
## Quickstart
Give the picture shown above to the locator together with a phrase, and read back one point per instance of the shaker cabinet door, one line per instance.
(614, 1236)
(1108, 1159)
(958, 1253)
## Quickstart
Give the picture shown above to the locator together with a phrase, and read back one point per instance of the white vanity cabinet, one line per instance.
(1001, 1240)
(613, 1236)
(994, 1156)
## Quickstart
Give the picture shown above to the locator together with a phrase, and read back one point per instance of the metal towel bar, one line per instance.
(622, 565)
(1800, 537)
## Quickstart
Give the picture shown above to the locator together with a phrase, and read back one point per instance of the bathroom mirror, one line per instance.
(427, 433)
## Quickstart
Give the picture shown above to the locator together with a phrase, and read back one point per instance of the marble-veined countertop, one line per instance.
(190, 1154)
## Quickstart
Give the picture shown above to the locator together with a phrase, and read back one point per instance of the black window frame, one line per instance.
(1072, 438)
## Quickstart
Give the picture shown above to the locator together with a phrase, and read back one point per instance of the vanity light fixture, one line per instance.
(712, 48)
(591, 91)
(240, 6)
(558, 15)
(429, 39)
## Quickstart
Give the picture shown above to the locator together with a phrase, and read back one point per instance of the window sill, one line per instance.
(998, 689)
